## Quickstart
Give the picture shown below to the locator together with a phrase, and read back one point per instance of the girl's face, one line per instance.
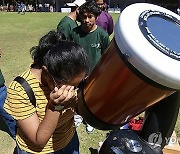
(52, 82)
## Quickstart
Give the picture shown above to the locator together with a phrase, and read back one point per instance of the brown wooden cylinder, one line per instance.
(113, 93)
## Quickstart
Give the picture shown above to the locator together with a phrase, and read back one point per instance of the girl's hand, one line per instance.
(62, 96)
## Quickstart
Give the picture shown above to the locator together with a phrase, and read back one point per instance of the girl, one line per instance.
(58, 68)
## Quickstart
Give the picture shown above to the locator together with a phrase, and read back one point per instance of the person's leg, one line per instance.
(71, 148)
(10, 122)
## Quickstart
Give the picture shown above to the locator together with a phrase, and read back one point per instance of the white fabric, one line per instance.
(77, 120)
(89, 128)
(77, 3)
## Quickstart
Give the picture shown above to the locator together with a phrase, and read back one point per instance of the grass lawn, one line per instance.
(18, 33)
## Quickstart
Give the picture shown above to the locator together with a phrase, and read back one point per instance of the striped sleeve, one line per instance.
(17, 103)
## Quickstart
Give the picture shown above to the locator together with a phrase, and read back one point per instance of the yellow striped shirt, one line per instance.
(19, 106)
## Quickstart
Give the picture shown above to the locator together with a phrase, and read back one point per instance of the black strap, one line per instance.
(27, 88)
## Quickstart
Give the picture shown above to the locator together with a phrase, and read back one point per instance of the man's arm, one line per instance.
(105, 41)
(64, 28)
(110, 25)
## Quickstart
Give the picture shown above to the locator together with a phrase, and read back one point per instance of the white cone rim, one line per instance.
(142, 54)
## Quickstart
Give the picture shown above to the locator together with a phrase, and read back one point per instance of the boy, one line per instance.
(91, 37)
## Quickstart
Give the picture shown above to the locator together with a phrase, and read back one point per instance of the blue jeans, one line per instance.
(10, 122)
(71, 148)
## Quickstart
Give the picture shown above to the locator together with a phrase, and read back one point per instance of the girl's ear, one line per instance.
(45, 70)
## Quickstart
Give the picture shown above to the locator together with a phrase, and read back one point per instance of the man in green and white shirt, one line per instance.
(91, 37)
(67, 23)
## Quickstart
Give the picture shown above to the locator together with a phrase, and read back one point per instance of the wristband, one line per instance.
(55, 107)
(58, 107)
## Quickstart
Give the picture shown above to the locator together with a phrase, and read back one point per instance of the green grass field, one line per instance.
(18, 33)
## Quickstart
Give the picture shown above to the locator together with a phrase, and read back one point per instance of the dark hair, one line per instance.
(91, 7)
(63, 59)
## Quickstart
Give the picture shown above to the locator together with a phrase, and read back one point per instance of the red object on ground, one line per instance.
(136, 124)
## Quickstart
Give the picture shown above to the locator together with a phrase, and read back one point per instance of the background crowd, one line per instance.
(31, 7)
(115, 6)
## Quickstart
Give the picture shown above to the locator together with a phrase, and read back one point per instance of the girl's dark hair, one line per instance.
(91, 7)
(63, 59)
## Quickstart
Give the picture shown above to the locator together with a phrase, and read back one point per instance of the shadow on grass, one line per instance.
(93, 151)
